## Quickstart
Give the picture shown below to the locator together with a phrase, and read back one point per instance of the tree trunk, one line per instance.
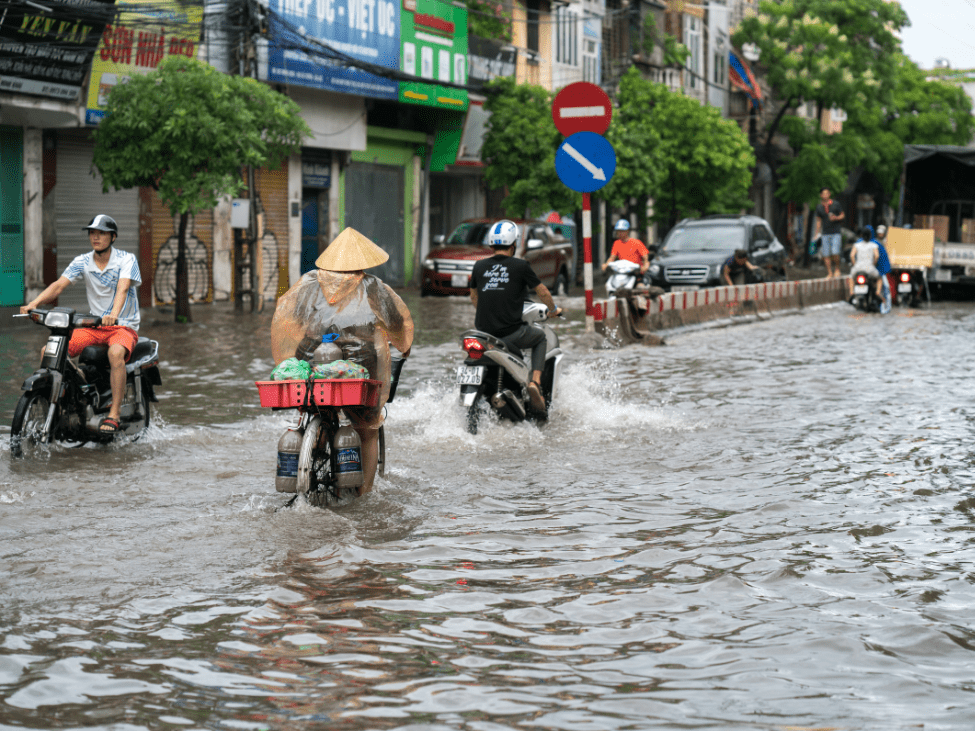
(182, 274)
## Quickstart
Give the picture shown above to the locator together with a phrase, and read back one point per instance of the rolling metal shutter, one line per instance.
(79, 197)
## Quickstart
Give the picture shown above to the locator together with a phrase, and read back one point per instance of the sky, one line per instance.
(940, 29)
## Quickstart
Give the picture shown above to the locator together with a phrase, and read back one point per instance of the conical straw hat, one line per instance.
(350, 252)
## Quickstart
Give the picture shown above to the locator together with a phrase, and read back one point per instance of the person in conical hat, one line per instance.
(339, 297)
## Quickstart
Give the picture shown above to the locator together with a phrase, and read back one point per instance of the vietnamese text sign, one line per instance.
(434, 38)
(135, 44)
(367, 30)
(45, 48)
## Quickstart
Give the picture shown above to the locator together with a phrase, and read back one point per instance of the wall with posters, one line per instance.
(434, 38)
(366, 30)
(135, 44)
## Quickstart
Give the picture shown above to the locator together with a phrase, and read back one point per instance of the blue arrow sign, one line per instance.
(585, 162)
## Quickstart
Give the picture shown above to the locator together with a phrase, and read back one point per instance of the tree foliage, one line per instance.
(488, 19)
(676, 151)
(668, 147)
(186, 130)
(519, 148)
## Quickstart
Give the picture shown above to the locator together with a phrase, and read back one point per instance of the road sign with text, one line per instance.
(582, 107)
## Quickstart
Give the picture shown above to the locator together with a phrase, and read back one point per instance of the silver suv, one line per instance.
(695, 250)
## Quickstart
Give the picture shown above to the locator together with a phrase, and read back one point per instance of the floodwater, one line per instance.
(765, 526)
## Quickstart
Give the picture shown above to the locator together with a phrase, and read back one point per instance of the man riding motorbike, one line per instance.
(111, 277)
(498, 288)
(628, 248)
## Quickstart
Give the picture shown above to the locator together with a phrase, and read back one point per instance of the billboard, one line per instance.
(136, 42)
(366, 30)
(45, 48)
(434, 48)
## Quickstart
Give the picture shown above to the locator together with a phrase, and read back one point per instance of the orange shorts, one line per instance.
(111, 335)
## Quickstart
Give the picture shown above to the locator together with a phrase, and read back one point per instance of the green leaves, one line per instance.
(668, 147)
(186, 130)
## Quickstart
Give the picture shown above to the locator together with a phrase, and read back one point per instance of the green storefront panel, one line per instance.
(11, 216)
(433, 36)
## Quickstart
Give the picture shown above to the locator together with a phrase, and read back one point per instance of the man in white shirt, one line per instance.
(111, 277)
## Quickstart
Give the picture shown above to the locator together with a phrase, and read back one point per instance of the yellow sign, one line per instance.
(910, 248)
(137, 42)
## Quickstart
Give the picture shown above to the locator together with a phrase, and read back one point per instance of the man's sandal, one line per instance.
(113, 426)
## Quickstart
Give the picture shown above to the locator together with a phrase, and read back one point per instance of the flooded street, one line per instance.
(765, 526)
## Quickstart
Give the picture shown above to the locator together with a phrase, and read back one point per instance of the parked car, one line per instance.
(447, 268)
(695, 250)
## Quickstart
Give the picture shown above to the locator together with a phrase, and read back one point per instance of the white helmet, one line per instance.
(622, 225)
(503, 234)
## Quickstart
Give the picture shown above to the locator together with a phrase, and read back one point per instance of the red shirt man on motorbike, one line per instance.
(628, 248)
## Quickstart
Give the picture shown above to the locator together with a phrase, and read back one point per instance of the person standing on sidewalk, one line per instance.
(829, 217)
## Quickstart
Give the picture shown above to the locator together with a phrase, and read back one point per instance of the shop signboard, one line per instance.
(434, 36)
(46, 48)
(142, 35)
(366, 30)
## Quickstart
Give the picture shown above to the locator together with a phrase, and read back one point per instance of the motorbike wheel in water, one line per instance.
(27, 428)
(381, 467)
(146, 416)
(474, 413)
(315, 468)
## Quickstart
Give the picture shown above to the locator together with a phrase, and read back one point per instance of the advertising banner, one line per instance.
(366, 30)
(136, 42)
(45, 48)
(434, 48)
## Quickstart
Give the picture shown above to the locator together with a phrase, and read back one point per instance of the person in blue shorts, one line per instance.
(829, 222)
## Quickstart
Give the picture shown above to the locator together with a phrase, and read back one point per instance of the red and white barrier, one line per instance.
(775, 294)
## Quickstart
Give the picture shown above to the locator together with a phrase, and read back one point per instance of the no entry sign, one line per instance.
(582, 107)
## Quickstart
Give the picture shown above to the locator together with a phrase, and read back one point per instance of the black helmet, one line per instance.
(101, 222)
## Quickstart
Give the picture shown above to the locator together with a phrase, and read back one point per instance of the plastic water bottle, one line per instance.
(348, 457)
(327, 352)
(289, 445)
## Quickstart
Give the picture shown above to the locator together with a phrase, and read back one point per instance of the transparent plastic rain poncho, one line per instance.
(366, 313)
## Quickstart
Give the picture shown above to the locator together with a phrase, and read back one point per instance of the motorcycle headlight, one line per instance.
(57, 319)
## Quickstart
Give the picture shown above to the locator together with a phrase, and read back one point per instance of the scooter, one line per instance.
(496, 377)
(865, 296)
(911, 286)
(64, 402)
(624, 274)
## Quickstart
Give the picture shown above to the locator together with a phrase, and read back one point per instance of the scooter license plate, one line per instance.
(470, 375)
(459, 280)
(904, 287)
(860, 289)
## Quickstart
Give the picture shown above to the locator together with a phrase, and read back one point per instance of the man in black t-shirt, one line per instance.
(498, 288)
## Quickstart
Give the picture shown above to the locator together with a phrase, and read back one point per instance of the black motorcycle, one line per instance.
(864, 296)
(63, 402)
(495, 376)
(911, 286)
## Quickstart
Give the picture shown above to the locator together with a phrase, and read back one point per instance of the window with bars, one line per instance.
(566, 37)
(531, 26)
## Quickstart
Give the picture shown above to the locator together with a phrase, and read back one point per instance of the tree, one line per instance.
(186, 130)
(672, 149)
(519, 148)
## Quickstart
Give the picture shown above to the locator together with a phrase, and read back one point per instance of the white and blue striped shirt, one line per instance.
(100, 284)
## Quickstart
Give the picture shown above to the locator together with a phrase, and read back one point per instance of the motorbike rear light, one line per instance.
(861, 279)
(905, 277)
(474, 348)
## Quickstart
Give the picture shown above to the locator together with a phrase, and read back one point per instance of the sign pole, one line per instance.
(587, 261)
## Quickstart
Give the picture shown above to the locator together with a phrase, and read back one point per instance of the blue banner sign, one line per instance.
(366, 30)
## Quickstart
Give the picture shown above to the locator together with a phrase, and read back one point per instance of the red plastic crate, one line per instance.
(325, 392)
